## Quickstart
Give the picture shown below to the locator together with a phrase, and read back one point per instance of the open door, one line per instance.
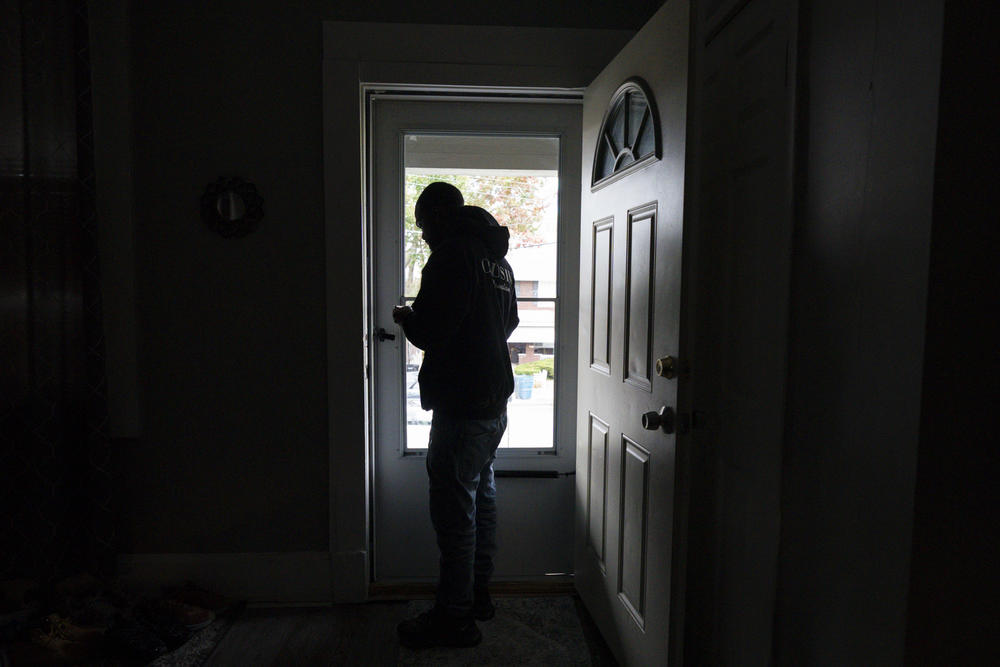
(632, 212)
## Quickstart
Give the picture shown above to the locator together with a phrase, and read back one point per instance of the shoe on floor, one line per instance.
(482, 606)
(58, 649)
(194, 595)
(37, 649)
(437, 628)
(20, 607)
(191, 617)
(97, 611)
(135, 642)
(64, 628)
(79, 586)
(170, 632)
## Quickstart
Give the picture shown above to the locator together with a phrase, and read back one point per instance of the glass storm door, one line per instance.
(520, 161)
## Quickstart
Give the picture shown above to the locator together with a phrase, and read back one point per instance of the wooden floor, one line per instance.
(362, 634)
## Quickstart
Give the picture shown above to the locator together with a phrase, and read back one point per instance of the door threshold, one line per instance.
(420, 590)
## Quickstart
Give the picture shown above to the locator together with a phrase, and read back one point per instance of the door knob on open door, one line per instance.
(664, 419)
(670, 367)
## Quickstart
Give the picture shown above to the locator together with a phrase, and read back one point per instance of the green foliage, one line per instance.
(513, 200)
(532, 367)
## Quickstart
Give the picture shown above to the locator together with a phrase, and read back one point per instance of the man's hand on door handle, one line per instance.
(400, 313)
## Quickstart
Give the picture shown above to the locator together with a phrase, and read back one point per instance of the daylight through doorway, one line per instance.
(517, 180)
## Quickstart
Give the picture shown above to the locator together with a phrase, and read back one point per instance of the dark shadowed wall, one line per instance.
(953, 611)
(868, 119)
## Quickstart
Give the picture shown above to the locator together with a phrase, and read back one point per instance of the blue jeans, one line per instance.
(460, 458)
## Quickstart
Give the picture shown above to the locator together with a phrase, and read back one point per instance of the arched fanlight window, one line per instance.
(630, 134)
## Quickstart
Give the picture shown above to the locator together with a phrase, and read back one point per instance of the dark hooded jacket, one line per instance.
(462, 316)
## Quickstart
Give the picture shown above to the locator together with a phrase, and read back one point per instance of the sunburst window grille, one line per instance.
(630, 134)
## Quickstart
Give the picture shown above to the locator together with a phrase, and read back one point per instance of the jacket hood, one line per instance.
(478, 222)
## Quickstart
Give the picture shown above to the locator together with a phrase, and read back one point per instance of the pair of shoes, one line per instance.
(172, 633)
(63, 641)
(20, 607)
(194, 595)
(97, 611)
(482, 605)
(80, 585)
(438, 628)
(64, 628)
(135, 641)
(188, 615)
(16, 592)
(40, 649)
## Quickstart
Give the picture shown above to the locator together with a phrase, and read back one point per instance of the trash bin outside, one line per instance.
(522, 386)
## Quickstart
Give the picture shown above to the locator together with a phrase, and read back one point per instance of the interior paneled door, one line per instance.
(632, 215)
(472, 142)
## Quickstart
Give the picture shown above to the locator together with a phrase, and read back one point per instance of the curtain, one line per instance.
(56, 460)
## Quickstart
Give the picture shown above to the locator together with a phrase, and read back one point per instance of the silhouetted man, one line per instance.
(461, 318)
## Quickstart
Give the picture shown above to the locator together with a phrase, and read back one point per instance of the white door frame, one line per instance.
(443, 57)
(557, 123)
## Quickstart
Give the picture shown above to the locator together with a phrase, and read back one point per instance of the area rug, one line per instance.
(196, 650)
(525, 631)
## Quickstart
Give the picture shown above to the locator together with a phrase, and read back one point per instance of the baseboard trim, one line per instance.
(299, 576)
(350, 576)
(418, 590)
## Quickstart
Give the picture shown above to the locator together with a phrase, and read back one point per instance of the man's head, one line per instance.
(438, 203)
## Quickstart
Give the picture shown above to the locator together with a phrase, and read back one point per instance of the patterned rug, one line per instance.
(525, 631)
(196, 650)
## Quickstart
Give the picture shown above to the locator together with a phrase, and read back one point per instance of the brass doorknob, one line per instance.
(666, 367)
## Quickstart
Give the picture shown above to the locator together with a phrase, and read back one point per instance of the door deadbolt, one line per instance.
(664, 419)
(670, 367)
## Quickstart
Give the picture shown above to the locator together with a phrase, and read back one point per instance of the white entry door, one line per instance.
(632, 215)
(520, 159)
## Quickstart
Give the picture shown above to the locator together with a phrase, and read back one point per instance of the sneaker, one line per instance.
(79, 586)
(192, 594)
(437, 628)
(20, 607)
(135, 642)
(61, 650)
(482, 606)
(64, 628)
(170, 632)
(191, 617)
(95, 611)
(16, 592)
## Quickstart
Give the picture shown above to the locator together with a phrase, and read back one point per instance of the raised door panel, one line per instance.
(639, 307)
(632, 524)
(600, 295)
(597, 481)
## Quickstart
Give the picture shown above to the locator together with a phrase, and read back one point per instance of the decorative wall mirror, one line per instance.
(232, 207)
(630, 134)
